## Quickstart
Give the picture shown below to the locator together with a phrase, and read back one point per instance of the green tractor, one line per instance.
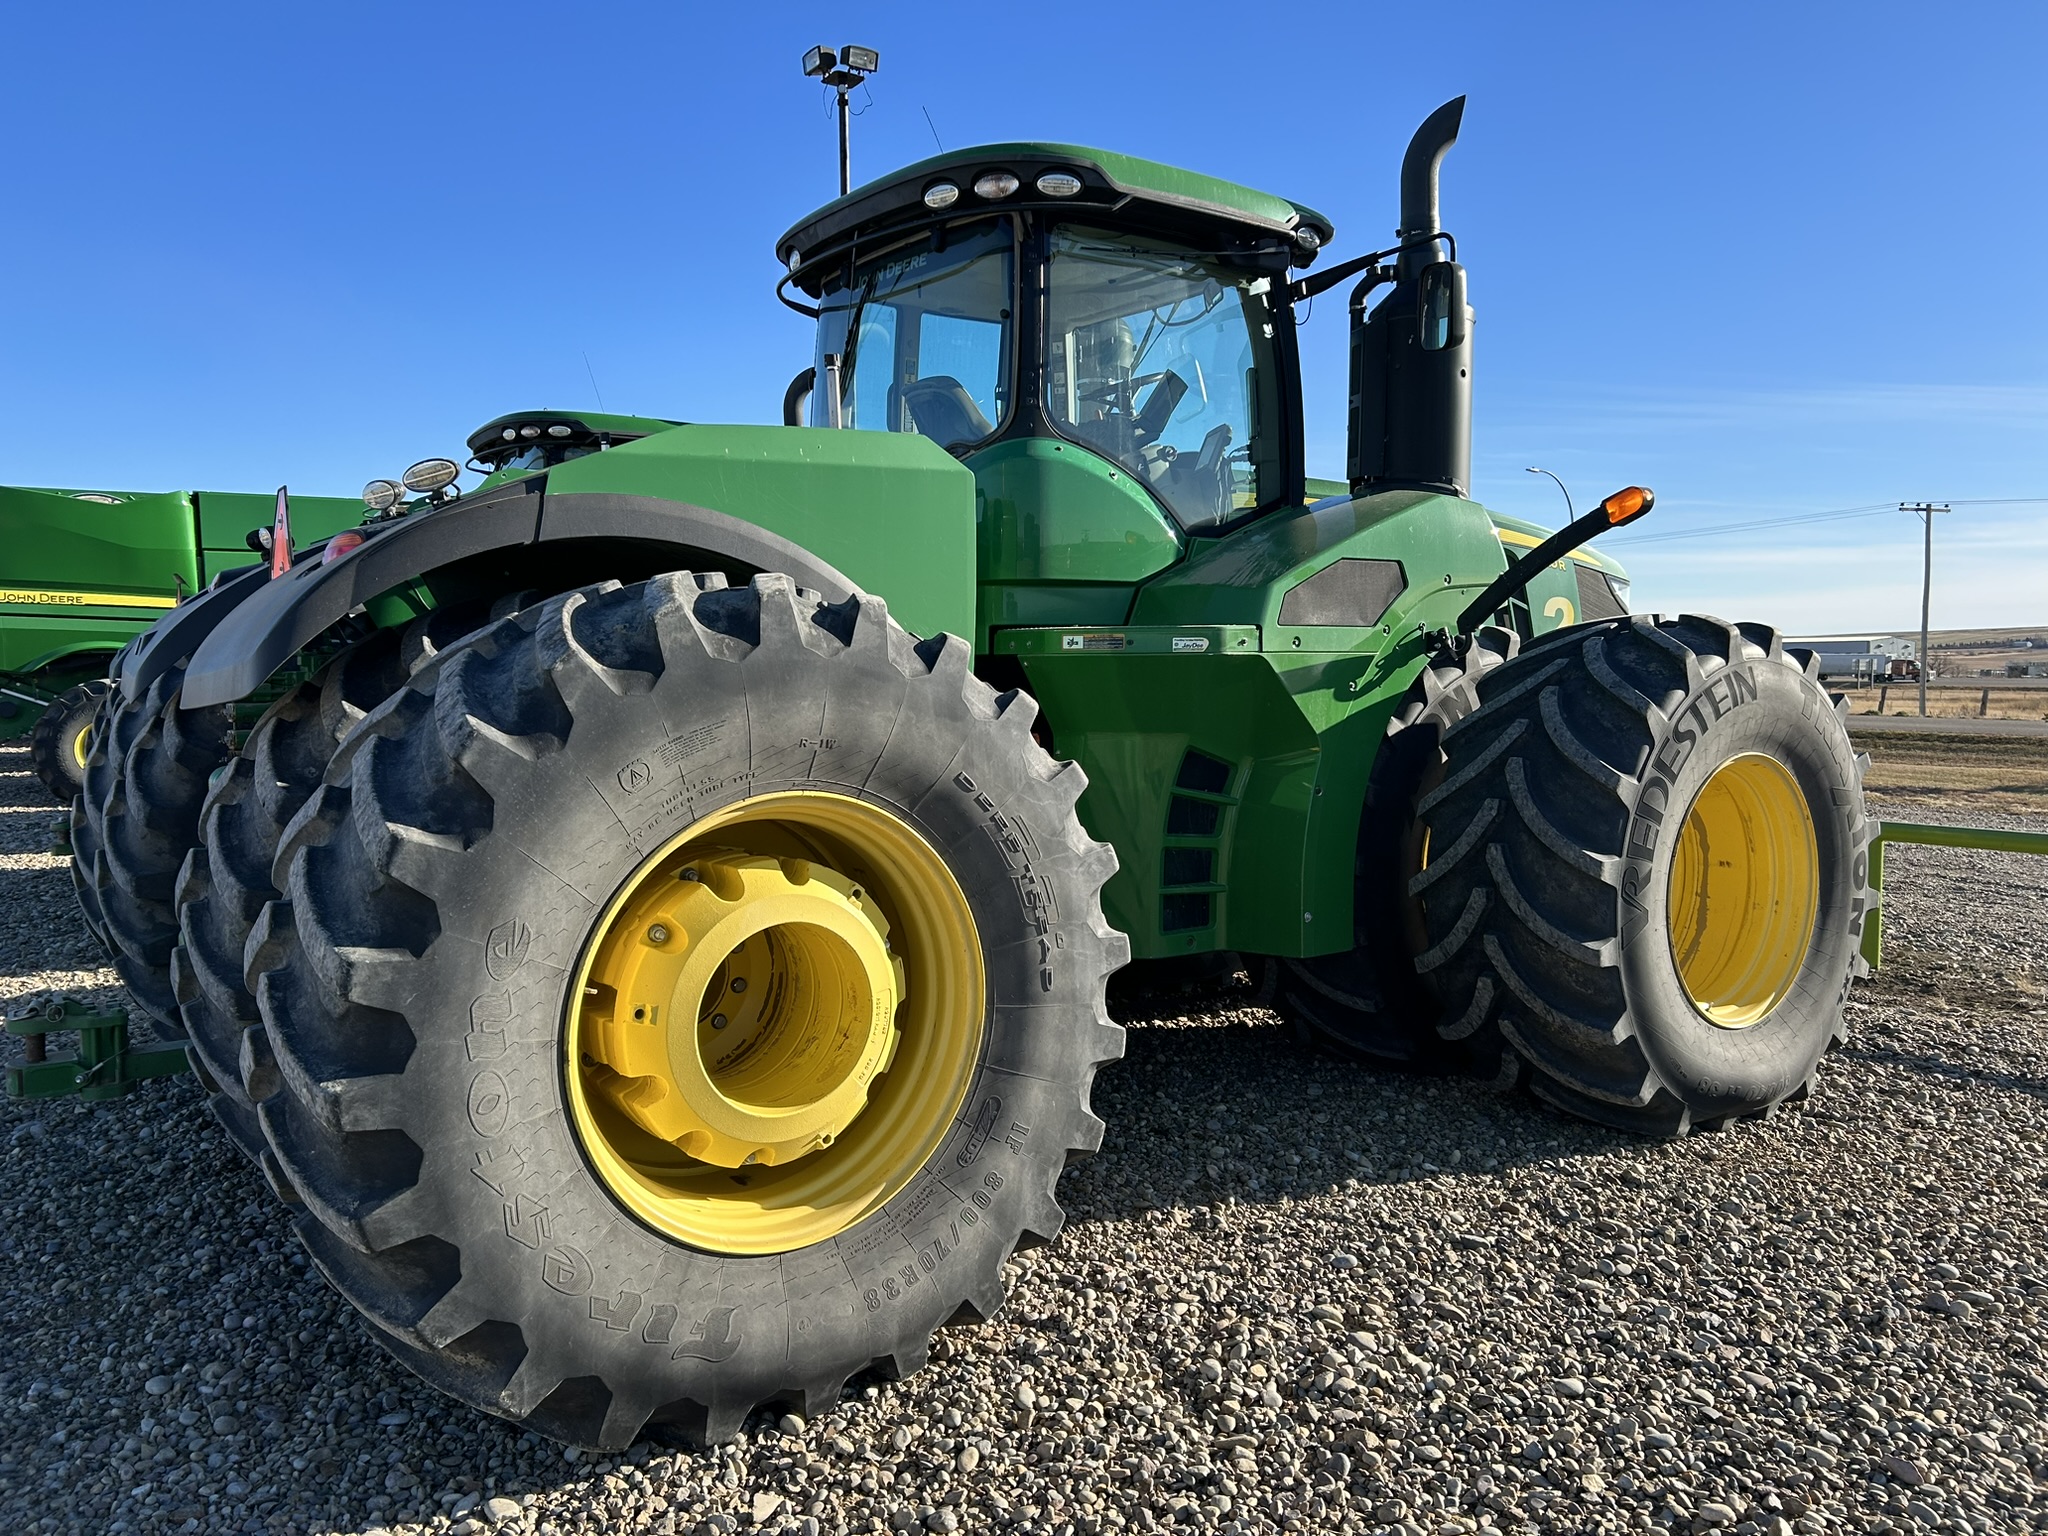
(88, 571)
(655, 937)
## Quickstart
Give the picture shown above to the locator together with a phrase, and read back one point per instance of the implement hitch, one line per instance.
(105, 1067)
(1991, 839)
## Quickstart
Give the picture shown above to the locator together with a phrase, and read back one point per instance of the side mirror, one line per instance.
(1440, 306)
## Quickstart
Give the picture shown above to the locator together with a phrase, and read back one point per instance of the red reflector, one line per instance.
(340, 545)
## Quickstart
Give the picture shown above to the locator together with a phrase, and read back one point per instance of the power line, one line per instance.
(1872, 509)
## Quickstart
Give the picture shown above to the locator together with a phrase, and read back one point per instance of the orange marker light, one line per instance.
(340, 545)
(1628, 504)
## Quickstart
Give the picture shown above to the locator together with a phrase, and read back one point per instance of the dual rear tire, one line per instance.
(671, 1000)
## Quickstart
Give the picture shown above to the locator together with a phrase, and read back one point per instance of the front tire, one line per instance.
(1649, 872)
(524, 1182)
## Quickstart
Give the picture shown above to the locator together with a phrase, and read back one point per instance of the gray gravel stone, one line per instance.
(1546, 1328)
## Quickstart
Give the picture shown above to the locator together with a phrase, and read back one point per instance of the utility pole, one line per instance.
(1926, 511)
(842, 71)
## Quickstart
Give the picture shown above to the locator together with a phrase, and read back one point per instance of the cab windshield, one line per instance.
(1162, 360)
(923, 337)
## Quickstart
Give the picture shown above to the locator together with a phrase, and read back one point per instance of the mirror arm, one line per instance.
(1324, 281)
(802, 309)
(797, 397)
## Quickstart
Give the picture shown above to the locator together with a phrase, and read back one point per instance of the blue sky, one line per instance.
(1769, 259)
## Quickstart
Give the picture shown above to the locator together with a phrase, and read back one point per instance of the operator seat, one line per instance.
(1199, 485)
(941, 409)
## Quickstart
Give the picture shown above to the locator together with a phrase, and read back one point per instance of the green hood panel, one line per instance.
(893, 511)
(1244, 577)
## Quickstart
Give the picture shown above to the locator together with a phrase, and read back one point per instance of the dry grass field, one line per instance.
(1953, 700)
(1957, 774)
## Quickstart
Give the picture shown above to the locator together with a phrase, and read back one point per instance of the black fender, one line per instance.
(267, 622)
(178, 633)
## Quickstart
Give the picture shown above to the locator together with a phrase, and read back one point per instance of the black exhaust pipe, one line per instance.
(1411, 358)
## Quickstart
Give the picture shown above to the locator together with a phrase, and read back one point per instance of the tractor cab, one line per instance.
(1119, 312)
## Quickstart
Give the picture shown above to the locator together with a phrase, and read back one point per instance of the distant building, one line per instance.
(1864, 658)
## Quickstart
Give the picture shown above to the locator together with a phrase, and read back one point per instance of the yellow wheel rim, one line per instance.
(78, 744)
(1745, 889)
(774, 1023)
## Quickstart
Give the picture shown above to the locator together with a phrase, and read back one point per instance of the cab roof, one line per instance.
(1163, 195)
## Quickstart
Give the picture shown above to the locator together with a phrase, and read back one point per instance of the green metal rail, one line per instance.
(1990, 839)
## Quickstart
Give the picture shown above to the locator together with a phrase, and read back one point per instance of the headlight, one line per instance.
(382, 495)
(941, 194)
(1059, 184)
(431, 475)
(995, 184)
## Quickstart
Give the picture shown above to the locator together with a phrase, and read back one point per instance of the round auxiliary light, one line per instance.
(995, 184)
(796, 259)
(340, 545)
(430, 475)
(558, 430)
(941, 194)
(529, 432)
(1308, 239)
(1059, 184)
(510, 434)
(382, 495)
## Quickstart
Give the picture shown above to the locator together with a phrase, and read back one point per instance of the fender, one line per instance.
(264, 623)
(178, 633)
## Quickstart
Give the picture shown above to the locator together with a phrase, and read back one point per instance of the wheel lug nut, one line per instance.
(739, 983)
(718, 1021)
(657, 933)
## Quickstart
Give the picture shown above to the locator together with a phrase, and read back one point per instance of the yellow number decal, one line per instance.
(1559, 608)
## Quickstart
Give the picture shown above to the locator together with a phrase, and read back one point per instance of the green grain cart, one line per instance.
(656, 942)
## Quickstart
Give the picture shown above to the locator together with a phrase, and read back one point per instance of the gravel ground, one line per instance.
(1293, 1296)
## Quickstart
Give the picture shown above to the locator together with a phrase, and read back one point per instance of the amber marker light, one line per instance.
(1628, 504)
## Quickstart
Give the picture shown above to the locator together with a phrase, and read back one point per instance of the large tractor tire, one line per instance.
(61, 740)
(685, 998)
(1367, 1003)
(95, 782)
(1648, 872)
(225, 881)
(137, 816)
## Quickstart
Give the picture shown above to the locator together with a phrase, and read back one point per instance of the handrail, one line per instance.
(1994, 839)
(1932, 835)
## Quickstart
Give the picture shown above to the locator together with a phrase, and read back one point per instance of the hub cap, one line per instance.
(1745, 890)
(774, 1023)
(78, 745)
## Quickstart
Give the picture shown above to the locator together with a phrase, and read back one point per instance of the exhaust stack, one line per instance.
(1411, 358)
